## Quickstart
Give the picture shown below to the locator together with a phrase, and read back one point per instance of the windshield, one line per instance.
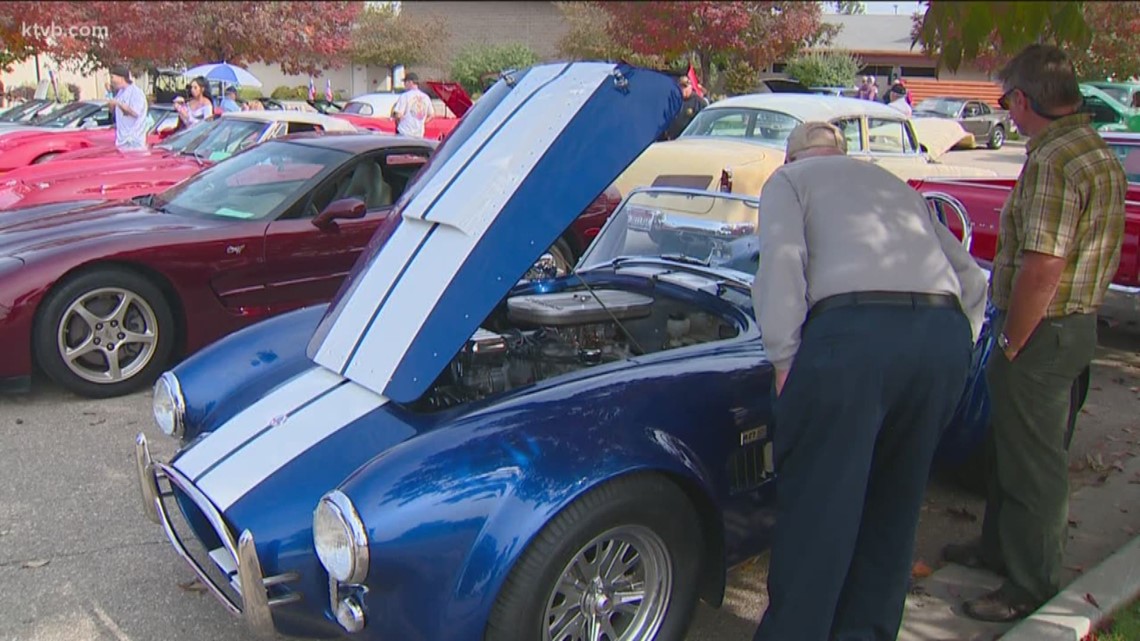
(15, 114)
(254, 185)
(64, 116)
(1120, 94)
(760, 125)
(694, 226)
(1129, 156)
(941, 106)
(227, 137)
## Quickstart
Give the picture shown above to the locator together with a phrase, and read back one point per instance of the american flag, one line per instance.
(328, 89)
(312, 89)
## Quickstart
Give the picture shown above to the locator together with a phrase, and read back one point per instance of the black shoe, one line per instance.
(971, 556)
(999, 606)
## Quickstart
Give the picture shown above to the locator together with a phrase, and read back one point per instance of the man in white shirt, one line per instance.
(413, 109)
(870, 310)
(129, 105)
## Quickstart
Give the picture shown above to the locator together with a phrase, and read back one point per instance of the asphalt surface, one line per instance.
(80, 562)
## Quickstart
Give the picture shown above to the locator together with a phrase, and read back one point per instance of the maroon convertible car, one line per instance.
(103, 295)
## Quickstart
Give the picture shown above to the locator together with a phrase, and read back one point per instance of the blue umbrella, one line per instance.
(224, 72)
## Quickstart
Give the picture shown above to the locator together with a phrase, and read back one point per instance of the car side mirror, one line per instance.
(343, 209)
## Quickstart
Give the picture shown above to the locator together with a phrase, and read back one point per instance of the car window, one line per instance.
(1100, 111)
(103, 117)
(377, 180)
(984, 109)
(852, 129)
(229, 137)
(736, 122)
(358, 108)
(889, 136)
(298, 127)
(1129, 156)
(971, 110)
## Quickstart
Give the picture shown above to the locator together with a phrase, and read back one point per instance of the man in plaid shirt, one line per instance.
(1058, 249)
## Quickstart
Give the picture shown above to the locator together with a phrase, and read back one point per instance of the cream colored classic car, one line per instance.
(736, 143)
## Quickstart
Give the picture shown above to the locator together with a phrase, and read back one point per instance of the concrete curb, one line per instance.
(1087, 602)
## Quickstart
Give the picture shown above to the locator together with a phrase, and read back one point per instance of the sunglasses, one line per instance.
(1034, 106)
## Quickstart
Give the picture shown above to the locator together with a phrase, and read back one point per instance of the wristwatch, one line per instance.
(1003, 342)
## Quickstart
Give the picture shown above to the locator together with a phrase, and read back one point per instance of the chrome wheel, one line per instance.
(615, 588)
(997, 138)
(107, 335)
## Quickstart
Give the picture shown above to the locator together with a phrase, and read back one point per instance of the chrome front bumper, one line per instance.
(238, 560)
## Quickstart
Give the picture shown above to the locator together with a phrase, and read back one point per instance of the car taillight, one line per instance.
(726, 181)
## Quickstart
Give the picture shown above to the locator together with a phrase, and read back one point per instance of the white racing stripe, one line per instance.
(371, 284)
(272, 450)
(465, 210)
(222, 442)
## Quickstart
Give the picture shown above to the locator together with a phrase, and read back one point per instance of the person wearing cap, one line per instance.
(691, 105)
(869, 308)
(413, 109)
(130, 107)
(229, 102)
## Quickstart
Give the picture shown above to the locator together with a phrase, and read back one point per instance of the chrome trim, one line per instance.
(350, 615)
(346, 511)
(175, 388)
(960, 210)
(256, 605)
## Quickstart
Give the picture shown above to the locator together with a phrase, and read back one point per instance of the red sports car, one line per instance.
(106, 173)
(983, 199)
(30, 147)
(103, 296)
(372, 111)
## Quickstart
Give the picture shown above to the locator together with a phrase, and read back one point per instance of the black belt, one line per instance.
(898, 299)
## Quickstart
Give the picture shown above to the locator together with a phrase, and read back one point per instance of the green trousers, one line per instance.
(1027, 502)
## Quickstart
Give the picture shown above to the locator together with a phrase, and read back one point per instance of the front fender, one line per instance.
(219, 381)
(449, 513)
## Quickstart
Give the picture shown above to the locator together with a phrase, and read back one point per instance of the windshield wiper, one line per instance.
(197, 157)
(688, 260)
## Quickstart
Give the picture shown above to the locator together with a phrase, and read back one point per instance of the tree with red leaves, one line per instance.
(758, 33)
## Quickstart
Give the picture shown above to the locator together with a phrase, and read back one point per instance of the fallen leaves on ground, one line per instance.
(193, 585)
(962, 514)
(38, 563)
(920, 570)
(1091, 599)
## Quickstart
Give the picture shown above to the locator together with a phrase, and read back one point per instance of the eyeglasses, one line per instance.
(1003, 102)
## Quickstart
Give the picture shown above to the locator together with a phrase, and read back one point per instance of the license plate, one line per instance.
(641, 219)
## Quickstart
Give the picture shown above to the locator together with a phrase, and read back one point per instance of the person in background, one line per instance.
(898, 100)
(1136, 100)
(253, 105)
(229, 102)
(864, 92)
(413, 109)
(199, 107)
(691, 105)
(871, 308)
(1058, 247)
(130, 108)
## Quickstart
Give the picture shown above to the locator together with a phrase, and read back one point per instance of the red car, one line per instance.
(983, 199)
(107, 173)
(23, 148)
(102, 297)
(372, 111)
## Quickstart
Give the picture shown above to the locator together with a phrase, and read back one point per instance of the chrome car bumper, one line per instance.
(238, 560)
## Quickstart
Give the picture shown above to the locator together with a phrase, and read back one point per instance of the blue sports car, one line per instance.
(447, 452)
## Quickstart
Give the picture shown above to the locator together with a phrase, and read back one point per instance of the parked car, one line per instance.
(107, 173)
(464, 457)
(1107, 113)
(1127, 148)
(983, 200)
(736, 143)
(1122, 92)
(989, 125)
(844, 92)
(81, 114)
(31, 147)
(373, 111)
(26, 111)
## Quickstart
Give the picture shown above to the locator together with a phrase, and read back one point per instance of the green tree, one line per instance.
(588, 37)
(848, 7)
(475, 63)
(740, 78)
(824, 68)
(386, 37)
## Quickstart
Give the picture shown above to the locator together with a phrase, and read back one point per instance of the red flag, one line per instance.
(312, 89)
(694, 82)
(328, 89)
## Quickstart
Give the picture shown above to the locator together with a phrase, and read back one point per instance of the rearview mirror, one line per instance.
(345, 208)
(88, 123)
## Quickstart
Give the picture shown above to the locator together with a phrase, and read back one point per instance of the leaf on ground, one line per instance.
(1076, 568)
(962, 514)
(1074, 523)
(38, 563)
(193, 585)
(1135, 480)
(1118, 466)
(1101, 480)
(1091, 599)
(920, 570)
(19, 421)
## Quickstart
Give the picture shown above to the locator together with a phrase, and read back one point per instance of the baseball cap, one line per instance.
(122, 71)
(815, 135)
(411, 77)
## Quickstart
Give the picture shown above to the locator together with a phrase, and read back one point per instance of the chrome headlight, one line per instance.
(340, 539)
(169, 406)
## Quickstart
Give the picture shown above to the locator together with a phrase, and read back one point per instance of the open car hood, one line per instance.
(535, 151)
(452, 95)
(939, 135)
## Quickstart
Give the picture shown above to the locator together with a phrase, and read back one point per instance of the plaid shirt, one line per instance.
(1068, 202)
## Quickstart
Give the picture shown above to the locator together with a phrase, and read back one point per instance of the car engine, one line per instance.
(546, 335)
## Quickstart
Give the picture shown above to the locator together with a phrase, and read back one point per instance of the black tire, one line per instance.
(997, 138)
(642, 501)
(141, 369)
(564, 257)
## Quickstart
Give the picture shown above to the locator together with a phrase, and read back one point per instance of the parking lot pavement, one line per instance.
(1006, 162)
(79, 561)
